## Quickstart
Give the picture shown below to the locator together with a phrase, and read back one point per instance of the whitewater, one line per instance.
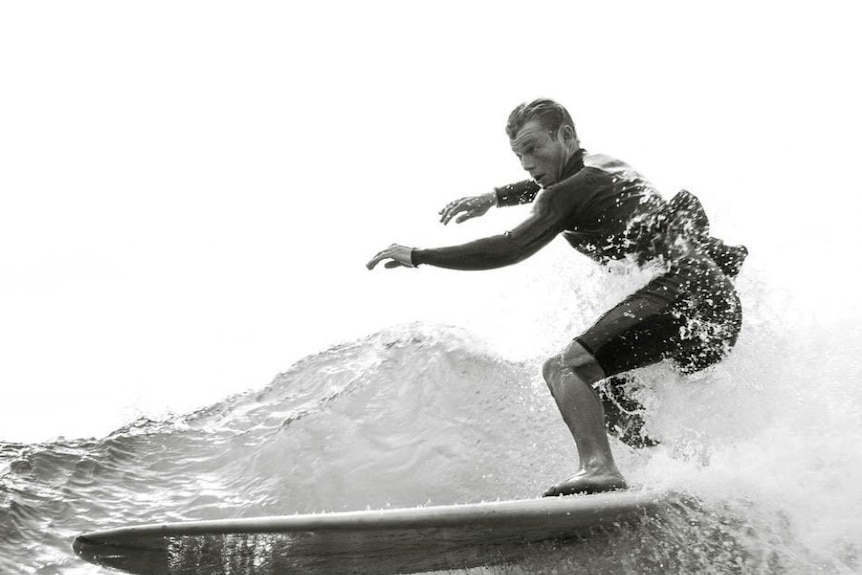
(763, 448)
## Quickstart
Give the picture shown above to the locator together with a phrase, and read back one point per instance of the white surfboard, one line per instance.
(360, 542)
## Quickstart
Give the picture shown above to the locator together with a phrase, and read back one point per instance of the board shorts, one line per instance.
(690, 315)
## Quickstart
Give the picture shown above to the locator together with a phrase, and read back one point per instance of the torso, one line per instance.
(608, 199)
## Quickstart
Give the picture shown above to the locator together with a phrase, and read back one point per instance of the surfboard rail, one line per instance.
(406, 539)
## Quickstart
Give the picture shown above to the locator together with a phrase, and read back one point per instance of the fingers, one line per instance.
(452, 209)
(447, 213)
(466, 208)
(381, 255)
(373, 262)
(399, 255)
(377, 259)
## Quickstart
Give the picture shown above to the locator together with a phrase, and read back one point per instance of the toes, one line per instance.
(579, 485)
(552, 491)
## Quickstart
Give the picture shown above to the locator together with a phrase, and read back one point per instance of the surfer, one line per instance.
(688, 314)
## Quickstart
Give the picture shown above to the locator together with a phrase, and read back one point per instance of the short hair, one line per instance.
(551, 115)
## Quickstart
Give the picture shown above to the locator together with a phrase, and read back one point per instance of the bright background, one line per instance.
(189, 191)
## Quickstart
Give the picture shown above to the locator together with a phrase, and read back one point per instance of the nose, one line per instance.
(527, 162)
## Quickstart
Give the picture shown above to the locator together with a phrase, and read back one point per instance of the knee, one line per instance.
(551, 369)
(574, 360)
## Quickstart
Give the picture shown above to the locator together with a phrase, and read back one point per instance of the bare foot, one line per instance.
(584, 483)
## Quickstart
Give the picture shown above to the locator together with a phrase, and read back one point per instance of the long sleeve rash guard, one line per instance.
(594, 206)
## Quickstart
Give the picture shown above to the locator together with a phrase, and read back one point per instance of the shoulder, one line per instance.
(611, 166)
(624, 179)
(576, 191)
(590, 178)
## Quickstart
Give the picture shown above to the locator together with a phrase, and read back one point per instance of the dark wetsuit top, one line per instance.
(608, 211)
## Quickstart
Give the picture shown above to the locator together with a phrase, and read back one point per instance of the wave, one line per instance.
(760, 446)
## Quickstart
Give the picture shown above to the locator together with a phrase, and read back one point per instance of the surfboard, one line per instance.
(389, 541)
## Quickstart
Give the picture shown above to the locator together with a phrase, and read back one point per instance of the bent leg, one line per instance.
(570, 376)
(623, 413)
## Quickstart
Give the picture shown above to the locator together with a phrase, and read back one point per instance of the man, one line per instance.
(689, 314)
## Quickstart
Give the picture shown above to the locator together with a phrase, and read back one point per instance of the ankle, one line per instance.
(600, 466)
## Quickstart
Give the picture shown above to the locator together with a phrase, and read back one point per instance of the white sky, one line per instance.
(189, 190)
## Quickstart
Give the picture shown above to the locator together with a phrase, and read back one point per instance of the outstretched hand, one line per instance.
(399, 256)
(469, 207)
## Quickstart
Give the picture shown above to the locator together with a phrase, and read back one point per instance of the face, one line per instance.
(542, 154)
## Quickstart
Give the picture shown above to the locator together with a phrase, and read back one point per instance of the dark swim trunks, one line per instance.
(690, 315)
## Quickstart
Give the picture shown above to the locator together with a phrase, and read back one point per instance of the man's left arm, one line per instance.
(547, 219)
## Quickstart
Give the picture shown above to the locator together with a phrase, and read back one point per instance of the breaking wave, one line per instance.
(763, 447)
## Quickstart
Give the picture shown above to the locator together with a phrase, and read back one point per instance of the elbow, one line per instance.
(501, 261)
(523, 248)
(516, 251)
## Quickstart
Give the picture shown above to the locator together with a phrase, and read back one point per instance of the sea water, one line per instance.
(763, 448)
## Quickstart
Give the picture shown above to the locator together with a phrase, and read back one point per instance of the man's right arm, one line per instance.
(515, 194)
(522, 192)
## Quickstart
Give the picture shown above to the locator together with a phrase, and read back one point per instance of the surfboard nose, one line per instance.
(139, 556)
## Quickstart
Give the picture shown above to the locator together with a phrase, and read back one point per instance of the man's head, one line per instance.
(542, 135)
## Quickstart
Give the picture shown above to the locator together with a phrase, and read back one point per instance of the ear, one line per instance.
(565, 134)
